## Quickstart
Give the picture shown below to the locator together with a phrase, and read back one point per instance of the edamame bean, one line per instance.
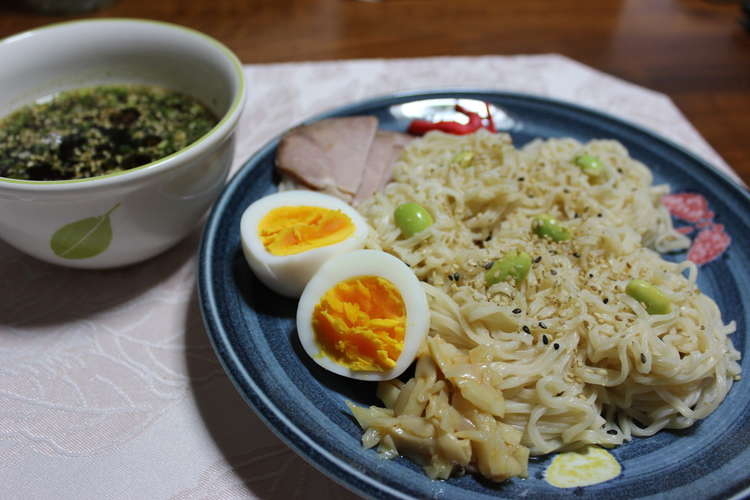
(547, 226)
(412, 218)
(463, 159)
(651, 297)
(590, 165)
(515, 265)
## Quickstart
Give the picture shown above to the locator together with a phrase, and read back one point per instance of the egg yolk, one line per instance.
(297, 229)
(360, 323)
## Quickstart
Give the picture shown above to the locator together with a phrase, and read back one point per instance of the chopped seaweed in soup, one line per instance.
(99, 130)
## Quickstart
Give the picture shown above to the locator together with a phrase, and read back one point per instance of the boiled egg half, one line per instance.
(287, 236)
(363, 315)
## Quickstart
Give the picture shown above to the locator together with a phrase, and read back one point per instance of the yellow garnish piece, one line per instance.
(590, 465)
(297, 229)
(360, 323)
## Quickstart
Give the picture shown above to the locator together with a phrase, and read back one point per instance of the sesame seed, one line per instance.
(542, 325)
(545, 340)
(556, 346)
(605, 300)
(643, 358)
(489, 237)
(575, 215)
(526, 329)
(576, 255)
(517, 310)
(619, 170)
(591, 275)
(456, 276)
(566, 190)
(612, 431)
(488, 265)
(521, 179)
(599, 215)
(538, 259)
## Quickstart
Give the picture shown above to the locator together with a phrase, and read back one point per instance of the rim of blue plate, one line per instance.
(286, 429)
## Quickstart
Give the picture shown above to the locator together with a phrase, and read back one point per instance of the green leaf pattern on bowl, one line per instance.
(84, 238)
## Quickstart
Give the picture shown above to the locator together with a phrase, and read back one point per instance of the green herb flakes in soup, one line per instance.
(100, 130)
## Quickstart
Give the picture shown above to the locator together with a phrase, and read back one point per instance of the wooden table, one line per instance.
(697, 52)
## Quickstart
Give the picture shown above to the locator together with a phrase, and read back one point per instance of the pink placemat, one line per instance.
(109, 387)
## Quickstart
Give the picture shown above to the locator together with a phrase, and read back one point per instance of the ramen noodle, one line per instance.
(566, 358)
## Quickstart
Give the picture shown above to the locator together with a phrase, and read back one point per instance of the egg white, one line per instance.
(288, 274)
(366, 263)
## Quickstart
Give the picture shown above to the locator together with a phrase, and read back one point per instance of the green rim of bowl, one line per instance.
(235, 103)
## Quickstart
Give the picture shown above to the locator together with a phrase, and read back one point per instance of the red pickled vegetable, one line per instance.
(421, 127)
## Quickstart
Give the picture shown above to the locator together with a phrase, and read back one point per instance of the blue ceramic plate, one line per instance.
(253, 332)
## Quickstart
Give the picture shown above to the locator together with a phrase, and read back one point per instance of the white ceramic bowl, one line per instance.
(118, 219)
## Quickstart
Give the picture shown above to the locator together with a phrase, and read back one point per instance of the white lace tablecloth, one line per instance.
(109, 387)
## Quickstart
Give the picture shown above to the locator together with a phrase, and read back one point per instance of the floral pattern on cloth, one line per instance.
(711, 241)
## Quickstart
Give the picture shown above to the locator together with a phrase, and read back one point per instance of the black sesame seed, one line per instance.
(553, 272)
(566, 190)
(542, 325)
(643, 358)
(517, 310)
(526, 329)
(456, 276)
(612, 431)
(605, 300)
(591, 275)
(576, 255)
(538, 259)
(619, 170)
(575, 215)
(521, 179)
(489, 237)
(545, 340)
(556, 346)
(488, 265)
(599, 215)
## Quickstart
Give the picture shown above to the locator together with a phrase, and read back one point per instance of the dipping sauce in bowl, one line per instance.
(100, 130)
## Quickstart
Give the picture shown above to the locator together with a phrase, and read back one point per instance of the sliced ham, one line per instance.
(385, 150)
(399, 142)
(329, 155)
